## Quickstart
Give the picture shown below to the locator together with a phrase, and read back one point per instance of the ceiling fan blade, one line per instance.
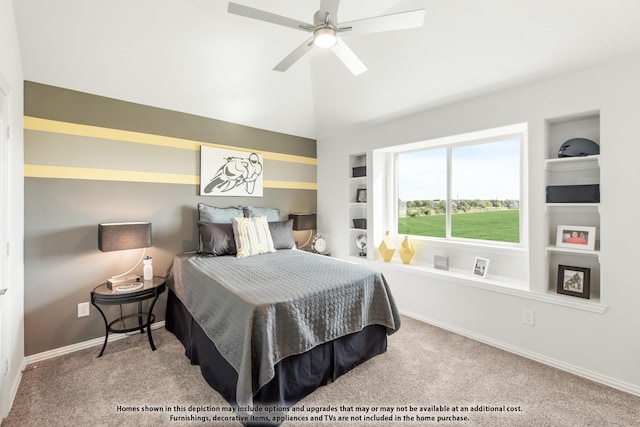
(349, 58)
(261, 15)
(394, 21)
(297, 53)
(329, 7)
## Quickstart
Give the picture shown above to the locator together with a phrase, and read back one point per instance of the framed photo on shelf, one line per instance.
(576, 237)
(480, 267)
(574, 281)
(361, 195)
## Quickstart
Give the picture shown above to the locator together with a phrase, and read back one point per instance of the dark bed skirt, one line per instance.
(295, 377)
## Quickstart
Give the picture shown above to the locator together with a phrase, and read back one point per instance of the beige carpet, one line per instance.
(426, 372)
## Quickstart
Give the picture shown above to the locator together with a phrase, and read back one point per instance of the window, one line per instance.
(461, 189)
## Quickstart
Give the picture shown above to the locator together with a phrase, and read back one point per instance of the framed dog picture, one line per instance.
(574, 281)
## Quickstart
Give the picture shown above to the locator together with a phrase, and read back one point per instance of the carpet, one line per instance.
(428, 376)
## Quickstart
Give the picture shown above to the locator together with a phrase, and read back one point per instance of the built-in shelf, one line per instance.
(573, 163)
(358, 210)
(577, 207)
(558, 249)
(567, 171)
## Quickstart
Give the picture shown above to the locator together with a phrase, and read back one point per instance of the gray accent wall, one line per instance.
(62, 260)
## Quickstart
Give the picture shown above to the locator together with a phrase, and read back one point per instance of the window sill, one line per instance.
(487, 247)
(503, 285)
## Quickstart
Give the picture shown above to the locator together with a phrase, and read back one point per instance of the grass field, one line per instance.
(502, 225)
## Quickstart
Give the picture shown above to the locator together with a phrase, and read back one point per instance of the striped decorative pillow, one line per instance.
(252, 236)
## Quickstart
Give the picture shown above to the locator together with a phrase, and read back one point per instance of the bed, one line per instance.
(267, 330)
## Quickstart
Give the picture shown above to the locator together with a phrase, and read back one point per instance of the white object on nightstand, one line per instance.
(318, 244)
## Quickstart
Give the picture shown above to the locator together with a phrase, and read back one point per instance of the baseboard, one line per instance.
(567, 367)
(39, 357)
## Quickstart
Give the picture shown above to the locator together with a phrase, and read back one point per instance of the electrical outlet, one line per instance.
(528, 317)
(83, 309)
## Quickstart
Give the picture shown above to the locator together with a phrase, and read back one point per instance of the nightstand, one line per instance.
(102, 295)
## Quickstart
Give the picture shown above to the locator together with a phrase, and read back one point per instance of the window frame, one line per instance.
(518, 131)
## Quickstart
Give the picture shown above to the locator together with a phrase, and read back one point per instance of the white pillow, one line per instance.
(252, 236)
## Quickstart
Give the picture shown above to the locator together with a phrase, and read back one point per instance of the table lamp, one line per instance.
(303, 222)
(118, 236)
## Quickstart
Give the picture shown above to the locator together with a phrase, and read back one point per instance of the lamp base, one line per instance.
(117, 281)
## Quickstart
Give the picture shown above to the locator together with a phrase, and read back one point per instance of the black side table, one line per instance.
(102, 295)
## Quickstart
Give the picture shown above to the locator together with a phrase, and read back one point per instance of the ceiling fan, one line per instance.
(325, 30)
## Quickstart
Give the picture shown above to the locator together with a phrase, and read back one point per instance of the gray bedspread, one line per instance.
(261, 309)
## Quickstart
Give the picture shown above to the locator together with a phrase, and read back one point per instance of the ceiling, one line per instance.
(193, 56)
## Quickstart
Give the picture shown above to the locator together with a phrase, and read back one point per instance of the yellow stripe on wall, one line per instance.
(290, 185)
(67, 172)
(66, 128)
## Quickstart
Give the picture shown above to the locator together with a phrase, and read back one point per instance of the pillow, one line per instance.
(252, 236)
(272, 214)
(217, 215)
(282, 234)
(217, 239)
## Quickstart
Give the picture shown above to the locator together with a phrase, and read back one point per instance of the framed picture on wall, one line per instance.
(576, 237)
(230, 173)
(574, 281)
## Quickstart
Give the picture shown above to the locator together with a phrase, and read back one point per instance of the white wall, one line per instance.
(11, 69)
(604, 347)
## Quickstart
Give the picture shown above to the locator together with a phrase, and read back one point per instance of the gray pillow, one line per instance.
(282, 234)
(272, 214)
(216, 215)
(217, 239)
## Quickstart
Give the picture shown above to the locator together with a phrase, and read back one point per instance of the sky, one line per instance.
(486, 171)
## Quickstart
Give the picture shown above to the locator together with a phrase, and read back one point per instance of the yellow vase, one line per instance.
(387, 248)
(406, 251)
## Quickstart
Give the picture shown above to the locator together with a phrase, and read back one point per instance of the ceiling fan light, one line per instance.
(325, 37)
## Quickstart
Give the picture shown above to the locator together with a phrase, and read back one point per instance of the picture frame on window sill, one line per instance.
(576, 237)
(441, 262)
(480, 267)
(574, 281)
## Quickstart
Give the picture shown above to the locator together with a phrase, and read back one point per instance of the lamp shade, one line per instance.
(119, 236)
(303, 221)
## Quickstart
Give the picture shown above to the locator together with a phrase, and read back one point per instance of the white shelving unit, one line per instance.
(572, 171)
(357, 208)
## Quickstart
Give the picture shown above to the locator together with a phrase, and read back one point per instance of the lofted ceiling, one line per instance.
(193, 56)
